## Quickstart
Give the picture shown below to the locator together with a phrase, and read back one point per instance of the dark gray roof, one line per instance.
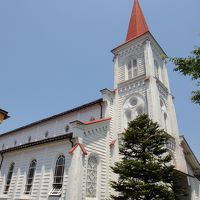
(55, 116)
(39, 142)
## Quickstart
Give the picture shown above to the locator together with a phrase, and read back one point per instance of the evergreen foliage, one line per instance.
(190, 66)
(144, 172)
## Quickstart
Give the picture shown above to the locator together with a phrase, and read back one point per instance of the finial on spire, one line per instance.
(137, 24)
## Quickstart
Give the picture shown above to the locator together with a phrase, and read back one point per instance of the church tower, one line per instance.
(141, 84)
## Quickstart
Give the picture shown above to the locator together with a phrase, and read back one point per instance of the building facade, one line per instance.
(68, 156)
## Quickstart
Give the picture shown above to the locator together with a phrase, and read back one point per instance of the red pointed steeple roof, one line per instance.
(137, 24)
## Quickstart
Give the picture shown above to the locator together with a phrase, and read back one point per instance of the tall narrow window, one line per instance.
(132, 68)
(165, 121)
(9, 178)
(91, 188)
(135, 68)
(156, 67)
(129, 70)
(58, 176)
(30, 177)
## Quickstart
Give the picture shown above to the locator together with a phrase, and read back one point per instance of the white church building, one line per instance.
(68, 156)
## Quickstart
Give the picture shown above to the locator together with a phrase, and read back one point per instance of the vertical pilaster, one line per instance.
(116, 68)
(153, 94)
(76, 170)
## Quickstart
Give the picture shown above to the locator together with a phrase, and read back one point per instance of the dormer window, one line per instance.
(132, 68)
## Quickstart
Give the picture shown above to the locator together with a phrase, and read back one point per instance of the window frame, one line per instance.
(9, 178)
(132, 68)
(29, 185)
(57, 186)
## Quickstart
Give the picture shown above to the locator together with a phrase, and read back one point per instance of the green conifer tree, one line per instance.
(145, 172)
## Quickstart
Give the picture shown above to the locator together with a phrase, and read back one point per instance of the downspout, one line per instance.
(70, 139)
(2, 158)
(101, 111)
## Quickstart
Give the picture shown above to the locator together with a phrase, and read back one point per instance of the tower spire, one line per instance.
(137, 24)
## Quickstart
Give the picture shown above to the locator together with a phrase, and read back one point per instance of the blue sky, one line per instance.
(55, 54)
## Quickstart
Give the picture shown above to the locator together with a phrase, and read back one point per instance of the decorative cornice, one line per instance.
(130, 86)
(136, 50)
(135, 41)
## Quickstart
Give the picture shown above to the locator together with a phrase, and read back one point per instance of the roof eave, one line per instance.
(190, 154)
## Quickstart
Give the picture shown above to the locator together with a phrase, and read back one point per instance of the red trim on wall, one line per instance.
(113, 142)
(83, 149)
(96, 121)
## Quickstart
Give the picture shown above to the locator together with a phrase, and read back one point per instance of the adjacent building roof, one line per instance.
(190, 157)
(137, 24)
(5, 113)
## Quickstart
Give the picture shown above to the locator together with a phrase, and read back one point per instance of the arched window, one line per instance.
(164, 120)
(140, 110)
(129, 70)
(135, 67)
(58, 176)
(132, 68)
(91, 187)
(9, 178)
(30, 177)
(133, 106)
(128, 114)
